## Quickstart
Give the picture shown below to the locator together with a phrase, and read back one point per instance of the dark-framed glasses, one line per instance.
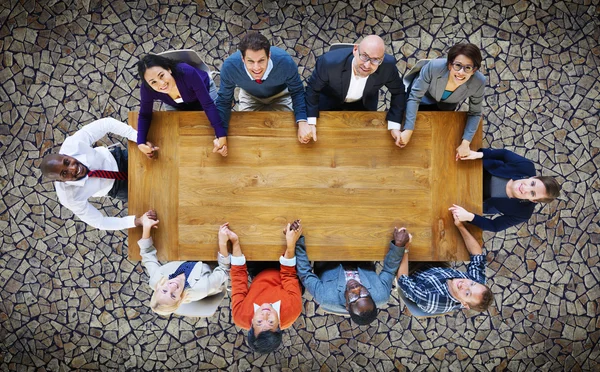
(365, 58)
(457, 66)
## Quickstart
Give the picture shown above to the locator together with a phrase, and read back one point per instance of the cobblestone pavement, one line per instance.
(70, 298)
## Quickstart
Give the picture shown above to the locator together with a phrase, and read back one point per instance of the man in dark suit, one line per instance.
(349, 79)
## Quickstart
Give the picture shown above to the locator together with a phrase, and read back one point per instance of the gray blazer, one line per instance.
(432, 81)
(328, 290)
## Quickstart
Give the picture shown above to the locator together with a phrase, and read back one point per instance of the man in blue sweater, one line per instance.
(268, 79)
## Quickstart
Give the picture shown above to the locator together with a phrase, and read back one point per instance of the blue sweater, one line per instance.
(505, 164)
(283, 75)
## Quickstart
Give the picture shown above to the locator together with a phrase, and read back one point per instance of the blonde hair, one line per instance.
(165, 309)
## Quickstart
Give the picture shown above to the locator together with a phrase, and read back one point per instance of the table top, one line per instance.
(350, 188)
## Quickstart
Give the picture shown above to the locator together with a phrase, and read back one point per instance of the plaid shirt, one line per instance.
(429, 290)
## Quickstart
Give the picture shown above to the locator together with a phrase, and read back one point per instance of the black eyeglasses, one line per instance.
(365, 58)
(457, 66)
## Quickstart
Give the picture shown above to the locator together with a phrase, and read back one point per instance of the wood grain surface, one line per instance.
(350, 188)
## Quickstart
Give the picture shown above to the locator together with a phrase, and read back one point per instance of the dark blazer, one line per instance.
(328, 85)
(505, 164)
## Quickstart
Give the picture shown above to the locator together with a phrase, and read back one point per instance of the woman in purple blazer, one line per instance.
(180, 86)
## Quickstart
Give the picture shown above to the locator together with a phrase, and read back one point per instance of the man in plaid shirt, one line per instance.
(440, 290)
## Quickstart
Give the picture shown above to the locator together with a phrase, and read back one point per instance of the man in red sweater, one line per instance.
(274, 300)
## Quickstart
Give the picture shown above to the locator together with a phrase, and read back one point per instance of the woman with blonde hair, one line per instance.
(180, 282)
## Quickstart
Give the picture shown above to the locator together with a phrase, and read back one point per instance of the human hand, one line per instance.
(404, 138)
(223, 236)
(460, 214)
(463, 150)
(306, 132)
(149, 221)
(396, 136)
(401, 237)
(292, 232)
(232, 236)
(148, 149)
(220, 146)
(472, 155)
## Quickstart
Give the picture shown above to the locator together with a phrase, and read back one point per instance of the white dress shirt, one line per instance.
(355, 93)
(75, 194)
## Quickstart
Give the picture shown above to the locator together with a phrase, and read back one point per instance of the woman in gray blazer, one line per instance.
(442, 85)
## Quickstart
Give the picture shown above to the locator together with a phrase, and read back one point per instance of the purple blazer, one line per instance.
(193, 85)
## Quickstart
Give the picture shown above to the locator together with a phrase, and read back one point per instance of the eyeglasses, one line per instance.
(365, 58)
(457, 66)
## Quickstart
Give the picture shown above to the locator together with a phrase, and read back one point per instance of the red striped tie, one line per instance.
(259, 81)
(108, 174)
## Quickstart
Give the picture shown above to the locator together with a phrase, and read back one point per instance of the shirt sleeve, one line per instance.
(474, 114)
(145, 115)
(194, 79)
(91, 216)
(309, 279)
(500, 223)
(148, 253)
(418, 90)
(476, 268)
(390, 266)
(294, 84)
(316, 82)
(396, 88)
(99, 128)
(426, 300)
(219, 275)
(226, 91)
(239, 290)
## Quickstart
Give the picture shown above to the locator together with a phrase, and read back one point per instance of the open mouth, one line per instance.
(521, 188)
(79, 171)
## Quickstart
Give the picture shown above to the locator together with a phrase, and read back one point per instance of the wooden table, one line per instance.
(350, 188)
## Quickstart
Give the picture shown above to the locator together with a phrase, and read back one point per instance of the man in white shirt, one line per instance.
(81, 171)
(349, 79)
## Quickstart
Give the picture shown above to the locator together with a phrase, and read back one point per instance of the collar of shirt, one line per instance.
(356, 87)
(276, 306)
(266, 74)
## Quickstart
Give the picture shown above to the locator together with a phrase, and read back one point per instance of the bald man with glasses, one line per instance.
(349, 79)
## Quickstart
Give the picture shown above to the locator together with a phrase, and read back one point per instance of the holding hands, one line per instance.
(225, 235)
(460, 214)
(148, 221)
(306, 132)
(292, 232)
(471, 156)
(220, 146)
(401, 237)
(148, 149)
(401, 137)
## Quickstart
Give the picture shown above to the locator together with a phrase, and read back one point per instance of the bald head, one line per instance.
(368, 55)
(374, 44)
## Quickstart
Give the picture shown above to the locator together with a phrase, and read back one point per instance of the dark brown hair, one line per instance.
(552, 188)
(468, 50)
(254, 41)
(487, 298)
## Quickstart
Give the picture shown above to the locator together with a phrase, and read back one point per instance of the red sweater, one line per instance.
(268, 286)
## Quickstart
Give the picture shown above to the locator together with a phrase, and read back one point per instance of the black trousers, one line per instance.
(119, 189)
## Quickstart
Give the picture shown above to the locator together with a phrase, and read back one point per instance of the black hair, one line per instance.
(153, 60)
(266, 341)
(468, 50)
(366, 317)
(254, 41)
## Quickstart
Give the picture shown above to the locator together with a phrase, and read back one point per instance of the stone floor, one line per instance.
(71, 299)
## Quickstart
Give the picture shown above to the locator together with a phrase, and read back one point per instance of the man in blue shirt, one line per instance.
(440, 290)
(268, 79)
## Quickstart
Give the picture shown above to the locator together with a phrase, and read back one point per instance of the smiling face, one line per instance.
(460, 77)
(530, 189)
(171, 290)
(256, 62)
(159, 79)
(358, 298)
(265, 319)
(467, 291)
(371, 47)
(63, 168)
